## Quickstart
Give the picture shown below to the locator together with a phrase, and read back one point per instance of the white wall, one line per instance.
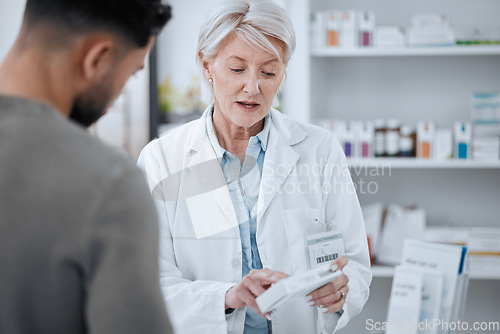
(177, 43)
(11, 13)
(295, 97)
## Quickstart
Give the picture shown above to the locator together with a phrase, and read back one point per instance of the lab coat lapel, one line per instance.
(207, 181)
(280, 159)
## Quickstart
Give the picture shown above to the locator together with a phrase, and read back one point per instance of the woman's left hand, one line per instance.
(332, 296)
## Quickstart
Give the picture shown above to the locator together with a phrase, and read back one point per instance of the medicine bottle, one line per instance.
(406, 143)
(379, 126)
(332, 33)
(392, 138)
(348, 140)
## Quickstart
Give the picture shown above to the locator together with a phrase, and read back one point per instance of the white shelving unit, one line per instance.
(421, 163)
(399, 52)
(380, 271)
(409, 84)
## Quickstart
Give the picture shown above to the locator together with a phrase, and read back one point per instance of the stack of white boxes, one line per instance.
(485, 115)
(484, 250)
(430, 30)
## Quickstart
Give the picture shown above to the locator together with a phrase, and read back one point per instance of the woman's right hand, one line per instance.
(250, 287)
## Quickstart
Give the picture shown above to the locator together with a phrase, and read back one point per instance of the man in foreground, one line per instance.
(78, 231)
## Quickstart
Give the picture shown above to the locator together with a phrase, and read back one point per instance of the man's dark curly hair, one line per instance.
(136, 21)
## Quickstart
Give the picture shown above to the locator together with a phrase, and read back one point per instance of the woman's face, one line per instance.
(245, 80)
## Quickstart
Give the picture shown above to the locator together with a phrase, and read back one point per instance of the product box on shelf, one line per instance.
(485, 119)
(390, 37)
(344, 132)
(405, 300)
(349, 30)
(430, 20)
(447, 234)
(425, 139)
(477, 36)
(422, 37)
(407, 142)
(430, 30)
(486, 148)
(318, 30)
(366, 28)
(463, 136)
(400, 224)
(333, 23)
(443, 147)
(446, 260)
(373, 215)
(484, 250)
(363, 138)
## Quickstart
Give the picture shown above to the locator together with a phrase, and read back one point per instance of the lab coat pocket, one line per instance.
(299, 223)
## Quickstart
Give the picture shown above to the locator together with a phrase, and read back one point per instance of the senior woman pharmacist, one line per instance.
(242, 187)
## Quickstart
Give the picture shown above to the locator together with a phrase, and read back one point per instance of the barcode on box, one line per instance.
(327, 258)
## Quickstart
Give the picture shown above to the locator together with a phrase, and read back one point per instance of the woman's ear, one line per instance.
(205, 65)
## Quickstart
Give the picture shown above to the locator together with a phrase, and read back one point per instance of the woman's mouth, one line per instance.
(248, 106)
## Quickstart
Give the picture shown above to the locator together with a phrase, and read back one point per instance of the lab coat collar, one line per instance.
(289, 131)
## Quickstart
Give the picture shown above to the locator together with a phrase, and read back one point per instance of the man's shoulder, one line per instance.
(92, 157)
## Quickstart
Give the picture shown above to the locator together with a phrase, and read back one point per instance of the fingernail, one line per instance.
(309, 298)
(269, 317)
(324, 310)
(311, 303)
(334, 267)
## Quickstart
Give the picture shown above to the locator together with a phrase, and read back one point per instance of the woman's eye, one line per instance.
(237, 70)
(269, 74)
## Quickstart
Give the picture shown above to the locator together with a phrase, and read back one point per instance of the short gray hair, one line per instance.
(252, 21)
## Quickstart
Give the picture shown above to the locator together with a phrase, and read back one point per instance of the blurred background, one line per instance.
(410, 89)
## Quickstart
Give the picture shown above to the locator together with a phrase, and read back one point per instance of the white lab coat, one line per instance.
(305, 182)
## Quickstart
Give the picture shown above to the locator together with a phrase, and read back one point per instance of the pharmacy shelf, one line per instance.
(420, 51)
(421, 163)
(382, 271)
(493, 275)
(388, 272)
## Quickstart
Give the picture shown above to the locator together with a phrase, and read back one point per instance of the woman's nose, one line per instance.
(252, 86)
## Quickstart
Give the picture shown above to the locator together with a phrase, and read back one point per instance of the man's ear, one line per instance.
(205, 65)
(97, 59)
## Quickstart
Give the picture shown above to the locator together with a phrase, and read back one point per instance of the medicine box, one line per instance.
(420, 37)
(430, 20)
(348, 31)
(443, 147)
(318, 30)
(366, 28)
(425, 139)
(333, 29)
(390, 37)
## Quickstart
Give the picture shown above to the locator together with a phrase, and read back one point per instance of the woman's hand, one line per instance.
(332, 296)
(250, 287)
